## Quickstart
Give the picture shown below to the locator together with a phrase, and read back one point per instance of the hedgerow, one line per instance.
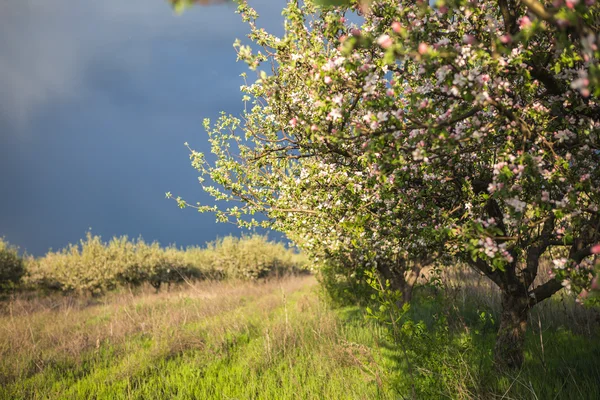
(94, 267)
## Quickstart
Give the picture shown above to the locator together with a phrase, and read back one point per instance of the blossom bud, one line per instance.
(524, 22)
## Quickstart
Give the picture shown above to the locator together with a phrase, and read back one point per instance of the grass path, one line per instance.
(220, 341)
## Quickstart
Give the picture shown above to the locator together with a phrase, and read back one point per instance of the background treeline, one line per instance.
(94, 266)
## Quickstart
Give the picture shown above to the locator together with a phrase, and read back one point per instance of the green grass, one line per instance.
(278, 343)
(279, 340)
(562, 351)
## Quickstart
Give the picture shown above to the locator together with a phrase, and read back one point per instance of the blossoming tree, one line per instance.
(465, 129)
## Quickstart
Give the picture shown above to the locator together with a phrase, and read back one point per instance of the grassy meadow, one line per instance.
(282, 339)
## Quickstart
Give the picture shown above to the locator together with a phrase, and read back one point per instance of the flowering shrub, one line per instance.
(466, 130)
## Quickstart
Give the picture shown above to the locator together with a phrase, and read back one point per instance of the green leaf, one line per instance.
(332, 3)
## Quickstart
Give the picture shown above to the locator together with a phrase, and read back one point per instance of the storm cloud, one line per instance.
(96, 101)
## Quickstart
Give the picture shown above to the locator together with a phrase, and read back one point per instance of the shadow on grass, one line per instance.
(453, 358)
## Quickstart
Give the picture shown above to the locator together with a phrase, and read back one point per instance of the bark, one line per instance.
(509, 350)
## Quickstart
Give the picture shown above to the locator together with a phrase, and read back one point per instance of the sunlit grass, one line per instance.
(273, 340)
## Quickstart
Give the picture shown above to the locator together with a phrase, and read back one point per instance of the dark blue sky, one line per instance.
(96, 101)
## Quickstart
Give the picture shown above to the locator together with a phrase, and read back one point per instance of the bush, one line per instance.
(344, 284)
(252, 257)
(94, 267)
(12, 267)
(87, 267)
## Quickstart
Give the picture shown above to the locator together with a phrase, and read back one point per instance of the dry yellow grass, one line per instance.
(47, 330)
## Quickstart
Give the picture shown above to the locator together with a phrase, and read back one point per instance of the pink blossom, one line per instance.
(328, 80)
(385, 41)
(524, 22)
(396, 26)
(294, 122)
(595, 249)
(506, 39)
(469, 39)
(571, 3)
(423, 48)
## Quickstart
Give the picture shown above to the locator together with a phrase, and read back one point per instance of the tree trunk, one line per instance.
(510, 343)
(410, 280)
(402, 278)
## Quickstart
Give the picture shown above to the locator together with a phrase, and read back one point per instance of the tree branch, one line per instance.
(580, 254)
(484, 267)
(544, 291)
(510, 19)
(539, 10)
(494, 211)
(535, 251)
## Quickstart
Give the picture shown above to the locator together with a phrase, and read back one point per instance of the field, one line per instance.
(282, 339)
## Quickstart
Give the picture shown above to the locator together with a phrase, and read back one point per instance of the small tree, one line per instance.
(12, 267)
